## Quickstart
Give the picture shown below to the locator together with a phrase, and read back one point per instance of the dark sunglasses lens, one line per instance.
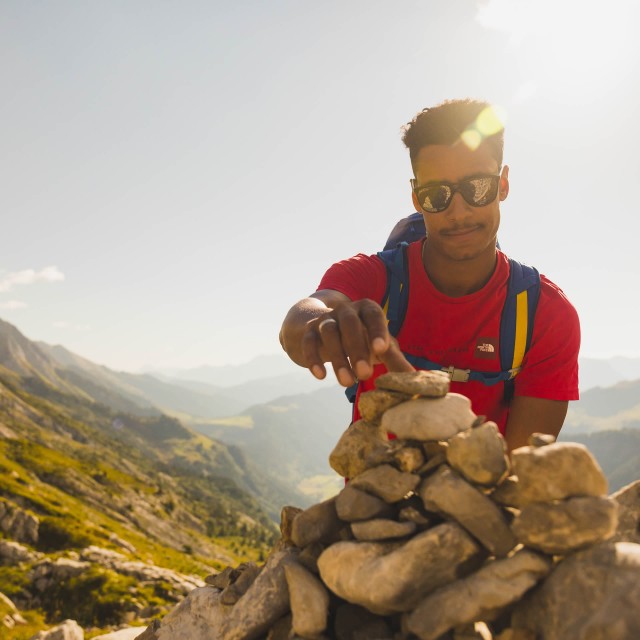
(480, 191)
(436, 198)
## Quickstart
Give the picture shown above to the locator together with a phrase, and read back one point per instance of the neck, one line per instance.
(457, 278)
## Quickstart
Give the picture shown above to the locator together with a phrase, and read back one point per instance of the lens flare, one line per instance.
(489, 122)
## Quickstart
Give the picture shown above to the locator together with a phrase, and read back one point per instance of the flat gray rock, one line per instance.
(446, 492)
(479, 455)
(386, 482)
(309, 600)
(430, 419)
(562, 527)
(352, 505)
(557, 471)
(349, 456)
(429, 384)
(593, 594)
(382, 529)
(483, 593)
(391, 577)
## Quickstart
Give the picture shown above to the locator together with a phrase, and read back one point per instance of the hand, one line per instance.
(352, 337)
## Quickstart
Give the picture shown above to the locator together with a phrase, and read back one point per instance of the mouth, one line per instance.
(460, 231)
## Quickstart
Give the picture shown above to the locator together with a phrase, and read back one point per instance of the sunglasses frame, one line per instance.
(455, 188)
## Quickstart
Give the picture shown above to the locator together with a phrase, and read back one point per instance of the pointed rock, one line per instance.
(266, 601)
(437, 419)
(487, 591)
(446, 492)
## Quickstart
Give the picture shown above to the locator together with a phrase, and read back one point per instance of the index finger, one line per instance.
(394, 360)
(375, 323)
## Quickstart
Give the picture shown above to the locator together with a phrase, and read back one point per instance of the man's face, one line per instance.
(461, 231)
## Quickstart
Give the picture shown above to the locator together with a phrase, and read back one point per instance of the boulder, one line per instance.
(478, 596)
(391, 577)
(562, 527)
(592, 594)
(557, 471)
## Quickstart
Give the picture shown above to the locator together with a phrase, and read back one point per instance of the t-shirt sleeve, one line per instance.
(357, 278)
(550, 367)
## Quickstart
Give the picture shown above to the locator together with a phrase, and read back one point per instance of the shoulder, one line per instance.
(361, 276)
(554, 301)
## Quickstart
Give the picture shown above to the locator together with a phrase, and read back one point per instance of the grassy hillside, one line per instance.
(144, 486)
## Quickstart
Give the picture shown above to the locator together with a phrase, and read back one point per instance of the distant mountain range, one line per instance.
(276, 416)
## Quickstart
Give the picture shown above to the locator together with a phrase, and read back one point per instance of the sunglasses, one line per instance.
(477, 191)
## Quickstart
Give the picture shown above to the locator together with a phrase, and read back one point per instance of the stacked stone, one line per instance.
(435, 534)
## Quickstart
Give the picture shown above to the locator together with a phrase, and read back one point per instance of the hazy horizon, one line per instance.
(177, 175)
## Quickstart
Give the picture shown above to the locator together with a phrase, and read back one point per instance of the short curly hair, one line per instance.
(448, 121)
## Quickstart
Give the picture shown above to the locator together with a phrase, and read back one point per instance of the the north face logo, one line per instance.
(486, 348)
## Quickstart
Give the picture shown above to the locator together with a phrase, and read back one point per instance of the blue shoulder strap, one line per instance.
(516, 324)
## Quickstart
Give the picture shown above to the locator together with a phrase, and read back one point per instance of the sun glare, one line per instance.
(569, 46)
(489, 121)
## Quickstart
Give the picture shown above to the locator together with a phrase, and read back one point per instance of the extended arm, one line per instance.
(530, 415)
(329, 327)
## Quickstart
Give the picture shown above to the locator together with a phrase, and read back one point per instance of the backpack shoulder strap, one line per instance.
(516, 324)
(396, 296)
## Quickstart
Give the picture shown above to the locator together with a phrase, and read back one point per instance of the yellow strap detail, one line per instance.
(522, 319)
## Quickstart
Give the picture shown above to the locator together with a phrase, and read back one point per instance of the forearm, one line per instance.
(533, 415)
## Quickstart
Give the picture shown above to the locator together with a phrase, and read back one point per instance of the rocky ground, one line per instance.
(438, 535)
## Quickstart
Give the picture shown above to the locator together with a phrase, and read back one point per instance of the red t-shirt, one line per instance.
(452, 331)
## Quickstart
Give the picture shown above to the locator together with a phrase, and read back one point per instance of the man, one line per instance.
(458, 283)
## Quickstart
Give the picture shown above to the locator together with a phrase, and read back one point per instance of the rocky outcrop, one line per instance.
(68, 630)
(18, 524)
(437, 535)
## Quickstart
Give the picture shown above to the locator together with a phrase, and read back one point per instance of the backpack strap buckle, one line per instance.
(457, 375)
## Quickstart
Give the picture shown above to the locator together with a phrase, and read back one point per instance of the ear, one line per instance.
(504, 183)
(415, 202)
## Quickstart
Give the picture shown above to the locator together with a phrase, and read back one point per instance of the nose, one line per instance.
(458, 207)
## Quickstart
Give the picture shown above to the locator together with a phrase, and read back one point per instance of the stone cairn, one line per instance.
(439, 535)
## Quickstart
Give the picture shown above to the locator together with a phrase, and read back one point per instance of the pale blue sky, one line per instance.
(176, 174)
